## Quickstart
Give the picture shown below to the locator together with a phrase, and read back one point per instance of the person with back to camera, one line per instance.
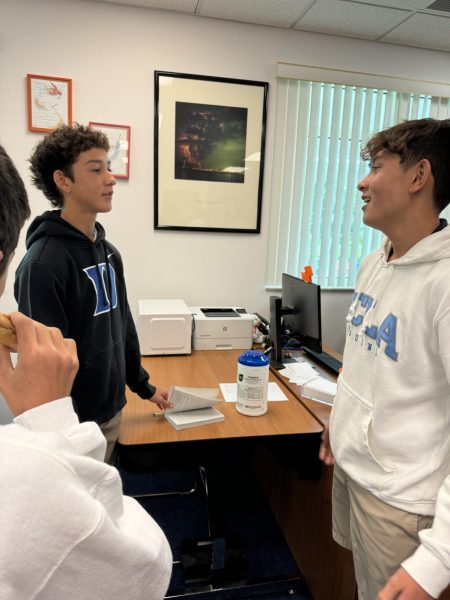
(67, 531)
(73, 279)
(390, 423)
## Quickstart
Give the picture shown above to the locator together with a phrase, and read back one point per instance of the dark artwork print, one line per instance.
(210, 142)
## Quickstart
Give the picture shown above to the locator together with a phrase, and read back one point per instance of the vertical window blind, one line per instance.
(316, 216)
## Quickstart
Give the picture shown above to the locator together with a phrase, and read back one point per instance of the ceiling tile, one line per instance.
(424, 31)
(282, 13)
(393, 21)
(351, 19)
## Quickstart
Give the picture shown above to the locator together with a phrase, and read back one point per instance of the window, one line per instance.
(316, 207)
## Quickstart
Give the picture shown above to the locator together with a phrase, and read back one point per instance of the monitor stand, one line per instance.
(277, 310)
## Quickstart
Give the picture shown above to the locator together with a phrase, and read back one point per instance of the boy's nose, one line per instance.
(362, 184)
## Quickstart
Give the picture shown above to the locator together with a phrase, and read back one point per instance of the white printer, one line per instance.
(164, 327)
(218, 328)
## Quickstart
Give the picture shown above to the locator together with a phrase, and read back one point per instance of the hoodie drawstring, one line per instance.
(108, 273)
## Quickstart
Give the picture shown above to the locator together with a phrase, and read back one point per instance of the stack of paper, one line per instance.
(313, 385)
(193, 406)
(320, 389)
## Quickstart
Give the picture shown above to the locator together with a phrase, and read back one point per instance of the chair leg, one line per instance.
(204, 479)
(187, 492)
(158, 494)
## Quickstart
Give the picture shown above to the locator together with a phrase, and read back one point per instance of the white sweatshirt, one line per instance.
(66, 529)
(390, 424)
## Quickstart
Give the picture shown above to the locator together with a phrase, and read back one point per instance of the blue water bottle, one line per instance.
(252, 383)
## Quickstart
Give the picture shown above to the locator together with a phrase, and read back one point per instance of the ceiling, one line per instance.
(419, 23)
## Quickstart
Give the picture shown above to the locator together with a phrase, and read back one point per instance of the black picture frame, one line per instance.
(209, 139)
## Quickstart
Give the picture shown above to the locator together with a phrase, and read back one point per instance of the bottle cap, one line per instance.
(253, 358)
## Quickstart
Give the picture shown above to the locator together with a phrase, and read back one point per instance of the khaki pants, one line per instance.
(379, 535)
(110, 430)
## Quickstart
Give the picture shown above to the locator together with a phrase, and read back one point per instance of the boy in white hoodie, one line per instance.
(66, 529)
(390, 423)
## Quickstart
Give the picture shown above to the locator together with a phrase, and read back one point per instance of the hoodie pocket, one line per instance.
(352, 434)
(99, 389)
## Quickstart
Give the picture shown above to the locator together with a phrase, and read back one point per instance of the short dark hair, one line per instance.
(14, 207)
(413, 141)
(58, 151)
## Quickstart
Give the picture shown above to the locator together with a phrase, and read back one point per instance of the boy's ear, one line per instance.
(6, 259)
(62, 181)
(422, 175)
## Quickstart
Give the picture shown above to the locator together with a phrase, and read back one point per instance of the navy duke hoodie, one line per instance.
(67, 281)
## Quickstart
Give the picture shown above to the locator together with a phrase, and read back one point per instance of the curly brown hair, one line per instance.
(14, 207)
(413, 141)
(58, 151)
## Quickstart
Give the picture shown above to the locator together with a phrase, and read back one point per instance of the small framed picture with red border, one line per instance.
(49, 101)
(119, 147)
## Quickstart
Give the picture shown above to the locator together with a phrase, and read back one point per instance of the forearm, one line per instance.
(137, 377)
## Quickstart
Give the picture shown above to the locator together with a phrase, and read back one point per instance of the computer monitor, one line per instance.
(296, 315)
(303, 319)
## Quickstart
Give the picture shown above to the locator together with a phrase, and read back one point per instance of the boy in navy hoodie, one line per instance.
(73, 279)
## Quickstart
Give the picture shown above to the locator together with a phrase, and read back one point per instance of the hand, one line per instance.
(401, 586)
(161, 399)
(325, 453)
(46, 366)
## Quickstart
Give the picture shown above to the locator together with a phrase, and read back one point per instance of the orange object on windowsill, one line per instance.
(307, 274)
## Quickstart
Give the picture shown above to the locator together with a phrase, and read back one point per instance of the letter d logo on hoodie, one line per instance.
(97, 274)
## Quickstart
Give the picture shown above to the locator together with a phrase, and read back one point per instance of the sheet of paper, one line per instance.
(184, 399)
(274, 392)
(299, 372)
(229, 391)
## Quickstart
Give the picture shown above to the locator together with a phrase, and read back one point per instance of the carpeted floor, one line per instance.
(231, 528)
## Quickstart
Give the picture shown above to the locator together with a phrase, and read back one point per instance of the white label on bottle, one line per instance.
(252, 389)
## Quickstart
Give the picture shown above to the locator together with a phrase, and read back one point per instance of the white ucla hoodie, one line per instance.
(67, 531)
(390, 423)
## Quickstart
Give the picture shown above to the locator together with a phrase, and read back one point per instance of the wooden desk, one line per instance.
(208, 369)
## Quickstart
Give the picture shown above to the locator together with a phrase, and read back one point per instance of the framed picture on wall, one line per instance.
(209, 139)
(49, 102)
(119, 147)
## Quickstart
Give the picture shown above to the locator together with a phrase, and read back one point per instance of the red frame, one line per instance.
(31, 76)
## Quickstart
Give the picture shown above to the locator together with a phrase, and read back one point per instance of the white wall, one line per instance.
(110, 52)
